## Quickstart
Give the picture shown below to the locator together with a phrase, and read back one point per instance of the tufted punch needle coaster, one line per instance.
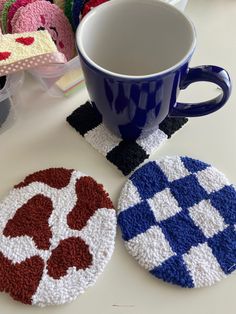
(43, 15)
(57, 233)
(125, 155)
(13, 9)
(177, 218)
(76, 11)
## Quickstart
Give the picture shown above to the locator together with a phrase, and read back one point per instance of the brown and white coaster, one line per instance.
(57, 233)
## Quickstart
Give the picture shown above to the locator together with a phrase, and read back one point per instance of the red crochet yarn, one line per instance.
(21, 280)
(57, 178)
(32, 220)
(27, 41)
(4, 55)
(70, 252)
(91, 196)
(90, 5)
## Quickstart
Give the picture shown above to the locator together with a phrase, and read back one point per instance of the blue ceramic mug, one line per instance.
(135, 58)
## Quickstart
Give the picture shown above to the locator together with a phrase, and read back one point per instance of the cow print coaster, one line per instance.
(125, 155)
(177, 217)
(57, 233)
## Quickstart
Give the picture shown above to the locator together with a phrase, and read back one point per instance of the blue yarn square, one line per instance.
(174, 271)
(223, 246)
(149, 180)
(136, 220)
(194, 165)
(187, 191)
(225, 202)
(181, 232)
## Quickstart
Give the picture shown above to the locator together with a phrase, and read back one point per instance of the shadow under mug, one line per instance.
(135, 56)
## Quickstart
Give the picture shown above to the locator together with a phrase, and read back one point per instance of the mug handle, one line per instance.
(206, 73)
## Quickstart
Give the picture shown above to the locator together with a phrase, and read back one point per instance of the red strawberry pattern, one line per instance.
(27, 41)
(70, 219)
(4, 55)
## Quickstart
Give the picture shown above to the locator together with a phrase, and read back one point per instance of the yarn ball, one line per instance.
(41, 15)
(57, 233)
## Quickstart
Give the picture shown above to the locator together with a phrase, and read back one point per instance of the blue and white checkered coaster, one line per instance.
(178, 219)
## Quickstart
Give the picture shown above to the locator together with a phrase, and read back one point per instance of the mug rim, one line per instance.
(83, 54)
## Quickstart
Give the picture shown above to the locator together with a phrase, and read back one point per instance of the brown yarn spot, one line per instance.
(91, 196)
(32, 220)
(70, 252)
(54, 177)
(20, 280)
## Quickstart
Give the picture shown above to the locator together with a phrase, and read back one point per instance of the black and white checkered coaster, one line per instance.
(125, 155)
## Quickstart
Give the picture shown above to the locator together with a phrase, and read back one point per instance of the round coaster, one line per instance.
(41, 15)
(13, 9)
(57, 233)
(4, 14)
(77, 7)
(177, 218)
(68, 10)
(89, 5)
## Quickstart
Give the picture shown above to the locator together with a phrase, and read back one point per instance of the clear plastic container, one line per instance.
(9, 86)
(60, 79)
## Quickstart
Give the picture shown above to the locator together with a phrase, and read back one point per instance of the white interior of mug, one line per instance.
(135, 37)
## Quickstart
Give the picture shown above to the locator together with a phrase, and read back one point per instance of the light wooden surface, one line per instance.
(41, 138)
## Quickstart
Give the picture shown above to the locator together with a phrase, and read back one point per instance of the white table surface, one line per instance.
(41, 138)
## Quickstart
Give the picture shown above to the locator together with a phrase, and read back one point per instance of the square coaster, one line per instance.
(125, 155)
